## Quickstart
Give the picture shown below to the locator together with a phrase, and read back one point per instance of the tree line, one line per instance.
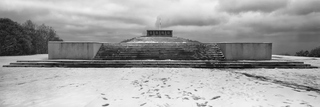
(26, 38)
(313, 53)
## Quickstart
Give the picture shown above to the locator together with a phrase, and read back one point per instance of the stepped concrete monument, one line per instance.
(159, 45)
(159, 48)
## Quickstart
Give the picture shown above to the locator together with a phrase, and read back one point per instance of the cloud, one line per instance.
(301, 7)
(190, 18)
(271, 23)
(277, 21)
(85, 20)
(296, 7)
(191, 13)
(238, 6)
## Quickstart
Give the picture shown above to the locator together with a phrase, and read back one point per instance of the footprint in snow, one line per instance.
(105, 105)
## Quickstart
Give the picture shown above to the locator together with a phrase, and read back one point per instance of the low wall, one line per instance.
(246, 51)
(88, 50)
(73, 50)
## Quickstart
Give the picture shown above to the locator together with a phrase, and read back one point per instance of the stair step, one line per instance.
(160, 63)
(175, 51)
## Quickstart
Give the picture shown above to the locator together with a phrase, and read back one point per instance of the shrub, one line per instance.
(302, 53)
(315, 52)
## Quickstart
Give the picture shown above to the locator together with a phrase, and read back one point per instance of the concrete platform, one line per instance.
(157, 64)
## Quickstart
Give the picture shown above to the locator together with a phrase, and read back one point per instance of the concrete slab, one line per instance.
(246, 51)
(73, 50)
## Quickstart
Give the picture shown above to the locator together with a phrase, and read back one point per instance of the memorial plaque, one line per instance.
(159, 33)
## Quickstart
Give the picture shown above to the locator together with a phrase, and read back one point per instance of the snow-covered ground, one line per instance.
(158, 87)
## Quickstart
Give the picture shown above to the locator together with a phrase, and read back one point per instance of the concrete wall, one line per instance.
(246, 51)
(88, 50)
(73, 50)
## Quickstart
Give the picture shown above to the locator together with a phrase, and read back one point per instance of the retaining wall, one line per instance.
(73, 50)
(246, 51)
(88, 50)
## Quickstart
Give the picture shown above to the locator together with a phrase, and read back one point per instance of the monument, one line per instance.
(159, 48)
(159, 45)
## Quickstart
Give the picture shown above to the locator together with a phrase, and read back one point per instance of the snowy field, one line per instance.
(158, 87)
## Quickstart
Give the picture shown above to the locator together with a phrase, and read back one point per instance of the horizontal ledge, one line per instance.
(245, 42)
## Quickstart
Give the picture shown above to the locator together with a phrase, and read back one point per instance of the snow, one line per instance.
(308, 60)
(155, 87)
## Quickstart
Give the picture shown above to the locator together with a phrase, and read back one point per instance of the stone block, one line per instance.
(246, 51)
(73, 50)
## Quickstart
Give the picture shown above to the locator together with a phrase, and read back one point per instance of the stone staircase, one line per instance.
(159, 51)
(159, 40)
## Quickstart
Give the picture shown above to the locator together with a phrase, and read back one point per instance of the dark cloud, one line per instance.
(99, 34)
(23, 15)
(123, 19)
(238, 6)
(289, 24)
(269, 24)
(295, 7)
(192, 20)
(192, 13)
(301, 7)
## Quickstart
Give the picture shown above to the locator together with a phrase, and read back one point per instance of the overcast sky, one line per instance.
(291, 25)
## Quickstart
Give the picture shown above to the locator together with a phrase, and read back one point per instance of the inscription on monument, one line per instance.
(159, 33)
